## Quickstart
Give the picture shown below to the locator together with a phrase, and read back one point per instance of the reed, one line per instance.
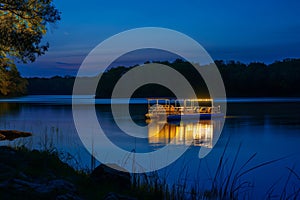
(228, 181)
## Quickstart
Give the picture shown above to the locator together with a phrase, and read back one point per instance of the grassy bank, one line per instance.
(32, 174)
(26, 174)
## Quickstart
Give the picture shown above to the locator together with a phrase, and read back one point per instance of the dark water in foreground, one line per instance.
(268, 127)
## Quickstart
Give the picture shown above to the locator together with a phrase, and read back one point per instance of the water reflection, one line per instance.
(200, 133)
(9, 108)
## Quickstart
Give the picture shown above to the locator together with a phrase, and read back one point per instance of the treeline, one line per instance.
(111, 77)
(279, 79)
(56, 85)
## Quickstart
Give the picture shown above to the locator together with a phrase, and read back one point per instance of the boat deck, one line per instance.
(176, 110)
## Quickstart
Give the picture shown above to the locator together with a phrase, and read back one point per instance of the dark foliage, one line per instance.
(55, 85)
(23, 24)
(279, 79)
(260, 80)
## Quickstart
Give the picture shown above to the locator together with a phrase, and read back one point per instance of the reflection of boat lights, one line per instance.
(197, 134)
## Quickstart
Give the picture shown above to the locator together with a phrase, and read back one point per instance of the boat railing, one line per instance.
(180, 109)
(164, 106)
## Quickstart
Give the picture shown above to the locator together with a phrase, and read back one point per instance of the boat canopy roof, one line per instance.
(173, 99)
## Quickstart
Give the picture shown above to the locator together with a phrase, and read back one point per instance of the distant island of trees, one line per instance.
(279, 79)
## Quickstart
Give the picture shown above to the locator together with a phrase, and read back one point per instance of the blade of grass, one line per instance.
(231, 170)
(293, 172)
(220, 165)
(240, 169)
(284, 192)
(260, 165)
(271, 188)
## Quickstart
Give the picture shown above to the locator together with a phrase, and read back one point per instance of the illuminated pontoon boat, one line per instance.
(182, 109)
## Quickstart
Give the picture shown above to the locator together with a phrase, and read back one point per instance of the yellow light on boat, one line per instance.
(199, 99)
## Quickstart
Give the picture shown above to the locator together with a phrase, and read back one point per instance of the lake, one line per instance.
(266, 127)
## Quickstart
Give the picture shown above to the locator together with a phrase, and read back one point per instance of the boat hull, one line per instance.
(196, 116)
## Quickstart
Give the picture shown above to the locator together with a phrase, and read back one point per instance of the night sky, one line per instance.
(247, 31)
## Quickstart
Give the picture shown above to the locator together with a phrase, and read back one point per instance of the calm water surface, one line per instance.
(269, 128)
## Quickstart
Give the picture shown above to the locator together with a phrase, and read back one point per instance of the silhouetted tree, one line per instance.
(256, 79)
(23, 23)
(11, 82)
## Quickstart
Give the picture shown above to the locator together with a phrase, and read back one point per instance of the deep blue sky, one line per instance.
(250, 30)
